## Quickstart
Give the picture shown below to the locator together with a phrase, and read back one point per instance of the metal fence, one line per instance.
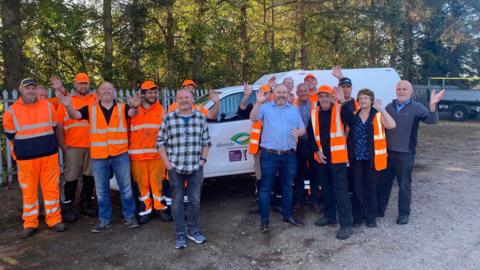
(8, 166)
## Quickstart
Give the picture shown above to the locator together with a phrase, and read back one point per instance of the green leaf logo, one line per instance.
(241, 138)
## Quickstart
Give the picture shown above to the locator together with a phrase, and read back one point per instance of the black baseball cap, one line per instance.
(345, 81)
(28, 81)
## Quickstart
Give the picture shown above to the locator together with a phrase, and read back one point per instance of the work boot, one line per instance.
(144, 219)
(163, 215)
(344, 233)
(59, 227)
(265, 226)
(68, 214)
(87, 208)
(132, 223)
(402, 219)
(28, 232)
(324, 222)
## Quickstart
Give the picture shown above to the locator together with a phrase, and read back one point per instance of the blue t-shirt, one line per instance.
(278, 122)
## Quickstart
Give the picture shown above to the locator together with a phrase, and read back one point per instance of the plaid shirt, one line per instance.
(184, 142)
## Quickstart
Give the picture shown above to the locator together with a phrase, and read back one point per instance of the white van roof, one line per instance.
(381, 81)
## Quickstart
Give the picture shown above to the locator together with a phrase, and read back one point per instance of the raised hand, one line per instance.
(57, 84)
(247, 89)
(337, 72)
(135, 100)
(64, 98)
(261, 97)
(340, 96)
(377, 104)
(272, 81)
(436, 97)
(214, 96)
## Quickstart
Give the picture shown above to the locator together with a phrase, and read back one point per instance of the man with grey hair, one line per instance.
(289, 83)
(401, 145)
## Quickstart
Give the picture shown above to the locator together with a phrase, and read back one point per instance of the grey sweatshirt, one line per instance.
(403, 138)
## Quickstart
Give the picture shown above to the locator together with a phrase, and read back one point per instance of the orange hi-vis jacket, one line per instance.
(195, 107)
(379, 143)
(144, 128)
(107, 139)
(33, 126)
(255, 134)
(338, 140)
(76, 132)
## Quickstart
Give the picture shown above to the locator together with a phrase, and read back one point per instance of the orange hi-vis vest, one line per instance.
(255, 134)
(107, 139)
(144, 128)
(338, 140)
(76, 132)
(379, 143)
(195, 107)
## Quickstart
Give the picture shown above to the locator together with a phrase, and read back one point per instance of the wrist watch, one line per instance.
(204, 159)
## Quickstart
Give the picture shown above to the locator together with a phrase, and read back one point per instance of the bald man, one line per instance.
(401, 144)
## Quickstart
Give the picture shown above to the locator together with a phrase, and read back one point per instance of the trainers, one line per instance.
(402, 220)
(59, 227)
(132, 223)
(28, 232)
(324, 222)
(181, 241)
(197, 237)
(88, 208)
(344, 233)
(357, 224)
(101, 226)
(68, 214)
(371, 224)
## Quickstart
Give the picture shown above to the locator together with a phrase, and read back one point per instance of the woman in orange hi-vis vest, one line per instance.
(29, 123)
(326, 133)
(367, 147)
(148, 170)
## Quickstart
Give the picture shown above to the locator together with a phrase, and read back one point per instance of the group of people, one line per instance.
(350, 149)
(157, 155)
(138, 143)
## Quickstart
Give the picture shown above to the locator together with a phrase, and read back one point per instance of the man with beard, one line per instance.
(74, 141)
(148, 170)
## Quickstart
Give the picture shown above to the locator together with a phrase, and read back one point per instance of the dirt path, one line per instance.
(443, 232)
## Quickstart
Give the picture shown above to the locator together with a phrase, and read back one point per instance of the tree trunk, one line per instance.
(13, 61)
(407, 69)
(245, 41)
(302, 31)
(170, 42)
(198, 41)
(108, 36)
(272, 41)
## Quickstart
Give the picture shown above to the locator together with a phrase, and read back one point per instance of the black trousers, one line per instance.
(400, 166)
(334, 183)
(365, 181)
(305, 170)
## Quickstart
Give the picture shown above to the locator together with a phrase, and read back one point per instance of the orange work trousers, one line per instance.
(46, 171)
(148, 175)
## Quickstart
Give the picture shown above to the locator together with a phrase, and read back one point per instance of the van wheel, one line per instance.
(459, 113)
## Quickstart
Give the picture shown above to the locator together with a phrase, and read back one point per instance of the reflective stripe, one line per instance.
(94, 119)
(26, 206)
(22, 185)
(10, 130)
(104, 131)
(317, 137)
(47, 202)
(185, 198)
(306, 182)
(254, 141)
(50, 116)
(167, 199)
(143, 151)
(76, 124)
(120, 114)
(158, 198)
(378, 137)
(31, 213)
(53, 210)
(109, 142)
(144, 198)
(380, 127)
(256, 130)
(142, 126)
(21, 137)
(337, 148)
(14, 118)
(34, 126)
(146, 212)
(380, 152)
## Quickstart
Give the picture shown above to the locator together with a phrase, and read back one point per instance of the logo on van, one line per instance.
(241, 138)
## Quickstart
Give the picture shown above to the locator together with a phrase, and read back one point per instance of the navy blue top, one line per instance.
(360, 139)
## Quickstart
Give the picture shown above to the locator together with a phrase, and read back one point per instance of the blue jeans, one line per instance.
(194, 190)
(102, 168)
(270, 163)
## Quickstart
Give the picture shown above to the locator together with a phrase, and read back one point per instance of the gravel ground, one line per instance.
(443, 232)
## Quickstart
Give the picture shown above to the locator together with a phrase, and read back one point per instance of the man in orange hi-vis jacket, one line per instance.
(30, 124)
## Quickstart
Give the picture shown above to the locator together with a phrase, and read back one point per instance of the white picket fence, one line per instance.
(8, 168)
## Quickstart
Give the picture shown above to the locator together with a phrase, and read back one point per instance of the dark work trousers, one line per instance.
(365, 181)
(305, 171)
(334, 183)
(400, 166)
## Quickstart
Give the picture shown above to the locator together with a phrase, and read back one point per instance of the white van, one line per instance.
(230, 134)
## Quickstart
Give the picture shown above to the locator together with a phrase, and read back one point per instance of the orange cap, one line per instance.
(189, 82)
(148, 85)
(325, 89)
(309, 75)
(265, 88)
(82, 78)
